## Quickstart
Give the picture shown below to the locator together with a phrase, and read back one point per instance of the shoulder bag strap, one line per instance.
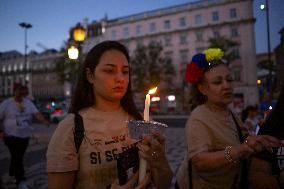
(79, 131)
(240, 134)
(241, 138)
(244, 169)
(190, 174)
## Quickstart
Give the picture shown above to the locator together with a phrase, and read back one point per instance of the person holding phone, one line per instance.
(267, 167)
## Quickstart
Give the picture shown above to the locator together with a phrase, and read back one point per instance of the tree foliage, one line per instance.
(149, 67)
(266, 65)
(227, 45)
(66, 69)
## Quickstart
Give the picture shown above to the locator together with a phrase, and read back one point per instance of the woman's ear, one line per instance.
(89, 75)
(202, 88)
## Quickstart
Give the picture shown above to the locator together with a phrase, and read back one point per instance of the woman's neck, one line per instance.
(107, 106)
(18, 99)
(216, 107)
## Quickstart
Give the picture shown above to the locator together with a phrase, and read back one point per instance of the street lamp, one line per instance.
(265, 8)
(26, 26)
(77, 37)
(73, 53)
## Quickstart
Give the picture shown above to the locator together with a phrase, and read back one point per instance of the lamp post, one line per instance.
(26, 26)
(77, 37)
(265, 8)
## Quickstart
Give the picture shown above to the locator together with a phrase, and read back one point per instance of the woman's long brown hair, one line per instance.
(84, 97)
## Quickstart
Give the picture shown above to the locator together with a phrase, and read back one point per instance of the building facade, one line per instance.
(12, 71)
(42, 80)
(184, 30)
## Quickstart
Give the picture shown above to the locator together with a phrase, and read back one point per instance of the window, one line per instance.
(15, 67)
(215, 16)
(237, 75)
(233, 13)
(168, 40)
(3, 69)
(113, 34)
(236, 53)
(169, 55)
(183, 38)
(8, 81)
(234, 32)
(183, 56)
(216, 34)
(138, 30)
(126, 32)
(199, 36)
(182, 22)
(152, 27)
(167, 25)
(198, 19)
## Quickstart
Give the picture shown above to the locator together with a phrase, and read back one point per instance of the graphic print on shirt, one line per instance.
(103, 156)
(22, 120)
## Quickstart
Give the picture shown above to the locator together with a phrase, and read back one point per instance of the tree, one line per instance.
(150, 68)
(266, 65)
(227, 45)
(66, 69)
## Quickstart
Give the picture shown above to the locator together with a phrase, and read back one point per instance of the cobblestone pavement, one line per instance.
(35, 162)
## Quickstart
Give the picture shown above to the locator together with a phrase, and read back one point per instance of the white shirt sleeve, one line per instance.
(31, 105)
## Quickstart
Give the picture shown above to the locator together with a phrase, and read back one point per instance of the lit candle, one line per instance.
(147, 106)
(143, 162)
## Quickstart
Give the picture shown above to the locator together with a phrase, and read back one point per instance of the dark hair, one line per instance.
(17, 86)
(247, 110)
(84, 96)
(196, 97)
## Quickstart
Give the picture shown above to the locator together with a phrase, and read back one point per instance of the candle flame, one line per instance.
(152, 91)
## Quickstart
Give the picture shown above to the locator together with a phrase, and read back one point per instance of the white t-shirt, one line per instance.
(106, 135)
(17, 121)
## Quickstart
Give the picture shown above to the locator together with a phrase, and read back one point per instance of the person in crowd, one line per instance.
(251, 119)
(216, 148)
(16, 115)
(266, 170)
(103, 98)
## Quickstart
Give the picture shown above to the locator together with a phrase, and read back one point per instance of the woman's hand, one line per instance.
(152, 149)
(255, 144)
(132, 182)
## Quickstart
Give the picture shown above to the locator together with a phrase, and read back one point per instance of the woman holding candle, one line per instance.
(103, 99)
(216, 148)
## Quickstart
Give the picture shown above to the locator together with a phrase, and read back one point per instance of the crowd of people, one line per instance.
(224, 150)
